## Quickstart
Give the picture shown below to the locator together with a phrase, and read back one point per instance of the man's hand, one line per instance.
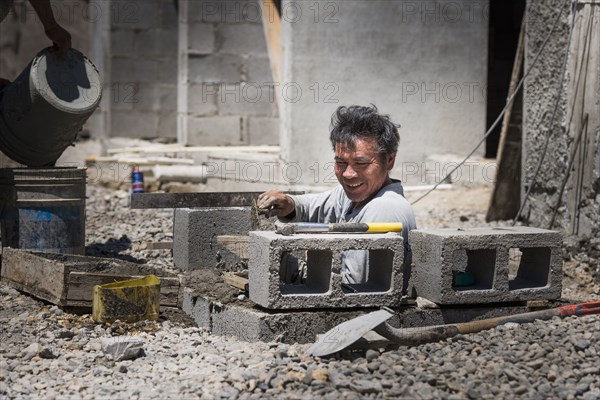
(279, 204)
(60, 38)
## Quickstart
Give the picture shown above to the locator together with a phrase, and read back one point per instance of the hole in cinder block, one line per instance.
(532, 269)
(305, 272)
(478, 274)
(514, 260)
(379, 278)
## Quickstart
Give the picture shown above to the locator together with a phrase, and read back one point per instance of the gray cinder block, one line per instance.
(323, 286)
(468, 266)
(197, 307)
(195, 232)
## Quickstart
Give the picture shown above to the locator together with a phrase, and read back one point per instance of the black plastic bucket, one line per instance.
(43, 209)
(42, 111)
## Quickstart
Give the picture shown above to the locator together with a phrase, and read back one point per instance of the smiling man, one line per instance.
(365, 145)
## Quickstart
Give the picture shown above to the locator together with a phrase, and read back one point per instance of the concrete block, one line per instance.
(323, 256)
(197, 307)
(167, 125)
(246, 99)
(145, 97)
(167, 71)
(134, 14)
(166, 41)
(242, 39)
(121, 42)
(201, 38)
(146, 70)
(202, 99)
(132, 124)
(146, 44)
(259, 71)
(225, 11)
(252, 324)
(169, 14)
(167, 96)
(195, 232)
(215, 131)
(216, 68)
(122, 69)
(263, 130)
(507, 264)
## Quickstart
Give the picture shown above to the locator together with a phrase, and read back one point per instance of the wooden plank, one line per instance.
(141, 161)
(237, 244)
(232, 279)
(505, 198)
(81, 286)
(195, 200)
(583, 98)
(35, 275)
(194, 149)
(271, 21)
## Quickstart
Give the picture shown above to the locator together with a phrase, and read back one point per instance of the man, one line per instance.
(365, 145)
(60, 38)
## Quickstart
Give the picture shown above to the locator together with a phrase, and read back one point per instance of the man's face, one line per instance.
(361, 171)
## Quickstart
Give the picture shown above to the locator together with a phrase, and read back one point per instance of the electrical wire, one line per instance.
(508, 103)
(552, 119)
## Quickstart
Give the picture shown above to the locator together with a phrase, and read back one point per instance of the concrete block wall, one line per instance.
(439, 256)
(143, 77)
(323, 287)
(577, 210)
(231, 96)
(422, 62)
(195, 232)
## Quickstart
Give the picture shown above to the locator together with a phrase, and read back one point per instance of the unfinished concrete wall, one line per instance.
(422, 62)
(143, 77)
(569, 136)
(225, 69)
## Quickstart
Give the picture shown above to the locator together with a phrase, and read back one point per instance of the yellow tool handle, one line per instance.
(384, 227)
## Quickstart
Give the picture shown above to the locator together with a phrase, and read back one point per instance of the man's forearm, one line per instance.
(44, 11)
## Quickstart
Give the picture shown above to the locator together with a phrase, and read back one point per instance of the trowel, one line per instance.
(350, 331)
(346, 333)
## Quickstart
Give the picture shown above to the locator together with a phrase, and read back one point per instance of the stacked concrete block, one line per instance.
(323, 286)
(242, 320)
(470, 266)
(231, 99)
(195, 232)
(143, 72)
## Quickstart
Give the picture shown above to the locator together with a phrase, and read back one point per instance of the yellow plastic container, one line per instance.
(128, 301)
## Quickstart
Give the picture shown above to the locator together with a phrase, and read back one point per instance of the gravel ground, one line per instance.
(48, 353)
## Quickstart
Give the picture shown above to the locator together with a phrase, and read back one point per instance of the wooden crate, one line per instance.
(68, 280)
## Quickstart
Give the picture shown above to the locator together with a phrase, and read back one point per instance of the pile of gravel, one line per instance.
(48, 353)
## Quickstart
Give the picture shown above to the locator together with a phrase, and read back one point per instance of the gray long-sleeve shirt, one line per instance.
(388, 205)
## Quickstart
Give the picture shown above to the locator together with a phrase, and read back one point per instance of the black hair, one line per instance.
(354, 122)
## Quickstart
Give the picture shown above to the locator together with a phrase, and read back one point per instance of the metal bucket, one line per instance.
(43, 209)
(42, 111)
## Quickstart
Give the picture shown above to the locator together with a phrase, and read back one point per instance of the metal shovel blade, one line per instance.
(346, 333)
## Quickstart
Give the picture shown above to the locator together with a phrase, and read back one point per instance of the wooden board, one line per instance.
(25, 272)
(237, 244)
(81, 285)
(235, 280)
(505, 198)
(61, 283)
